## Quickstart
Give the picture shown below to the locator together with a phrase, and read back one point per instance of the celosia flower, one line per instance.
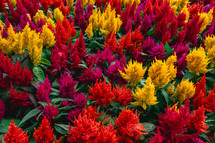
(123, 95)
(198, 61)
(210, 101)
(211, 56)
(162, 73)
(170, 90)
(148, 44)
(73, 114)
(133, 73)
(101, 93)
(197, 119)
(15, 135)
(58, 15)
(80, 100)
(184, 89)
(2, 109)
(209, 42)
(157, 52)
(207, 19)
(67, 86)
(91, 112)
(44, 134)
(50, 112)
(128, 126)
(146, 95)
(157, 138)
(47, 36)
(19, 98)
(146, 24)
(44, 90)
(105, 55)
(200, 86)
(89, 30)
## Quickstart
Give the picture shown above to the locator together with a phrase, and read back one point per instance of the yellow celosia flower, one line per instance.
(197, 61)
(207, 18)
(183, 89)
(13, 2)
(39, 15)
(12, 38)
(47, 36)
(146, 95)
(26, 32)
(185, 11)
(126, 2)
(58, 15)
(88, 2)
(18, 44)
(209, 42)
(4, 45)
(133, 73)
(70, 2)
(51, 22)
(35, 48)
(162, 72)
(211, 56)
(2, 25)
(170, 90)
(174, 107)
(106, 22)
(174, 4)
(89, 30)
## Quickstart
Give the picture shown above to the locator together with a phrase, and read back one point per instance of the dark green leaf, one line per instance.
(148, 126)
(165, 95)
(39, 73)
(5, 123)
(45, 61)
(30, 114)
(56, 100)
(205, 137)
(61, 128)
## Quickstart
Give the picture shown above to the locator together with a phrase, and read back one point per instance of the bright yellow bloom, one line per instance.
(174, 4)
(26, 32)
(146, 95)
(183, 89)
(133, 73)
(106, 22)
(2, 25)
(88, 2)
(174, 107)
(13, 2)
(35, 48)
(39, 15)
(51, 22)
(209, 42)
(47, 36)
(207, 19)
(4, 45)
(89, 30)
(18, 44)
(70, 2)
(126, 2)
(211, 56)
(12, 38)
(198, 61)
(162, 72)
(58, 15)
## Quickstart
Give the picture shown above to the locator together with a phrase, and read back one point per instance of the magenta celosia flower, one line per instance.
(66, 103)
(91, 60)
(80, 100)
(74, 113)
(44, 90)
(148, 44)
(157, 52)
(2, 109)
(90, 75)
(67, 86)
(105, 55)
(141, 58)
(50, 111)
(128, 26)
(146, 24)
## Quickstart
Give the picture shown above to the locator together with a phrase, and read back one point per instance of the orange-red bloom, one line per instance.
(123, 95)
(15, 135)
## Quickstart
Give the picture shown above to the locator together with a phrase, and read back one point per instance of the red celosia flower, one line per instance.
(45, 4)
(124, 43)
(15, 135)
(181, 17)
(65, 9)
(55, 3)
(128, 127)
(44, 133)
(44, 90)
(148, 8)
(74, 58)
(111, 41)
(199, 100)
(136, 36)
(200, 86)
(161, 27)
(101, 92)
(2, 5)
(91, 112)
(69, 27)
(157, 138)
(197, 119)
(19, 98)
(194, 9)
(210, 101)
(80, 46)
(123, 95)
(2, 109)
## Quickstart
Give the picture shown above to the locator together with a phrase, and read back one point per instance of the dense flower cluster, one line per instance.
(111, 71)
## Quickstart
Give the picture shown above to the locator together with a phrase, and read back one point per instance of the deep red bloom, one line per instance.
(199, 100)
(44, 90)
(65, 9)
(19, 98)
(2, 109)
(123, 95)
(101, 92)
(124, 43)
(200, 86)
(136, 36)
(44, 134)
(210, 101)
(80, 46)
(181, 17)
(129, 128)
(50, 112)
(15, 135)
(2, 5)
(157, 138)
(91, 112)
(45, 4)
(111, 41)
(197, 119)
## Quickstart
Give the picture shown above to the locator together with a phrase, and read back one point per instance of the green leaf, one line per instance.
(151, 32)
(188, 75)
(30, 114)
(56, 100)
(165, 95)
(77, 35)
(66, 108)
(39, 73)
(210, 79)
(148, 126)
(45, 61)
(43, 103)
(5, 123)
(83, 65)
(55, 84)
(205, 137)
(61, 128)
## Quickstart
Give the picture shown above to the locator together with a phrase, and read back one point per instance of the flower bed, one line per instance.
(106, 71)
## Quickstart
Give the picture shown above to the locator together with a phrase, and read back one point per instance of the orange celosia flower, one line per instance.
(101, 92)
(123, 95)
(15, 135)
(128, 126)
(44, 133)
